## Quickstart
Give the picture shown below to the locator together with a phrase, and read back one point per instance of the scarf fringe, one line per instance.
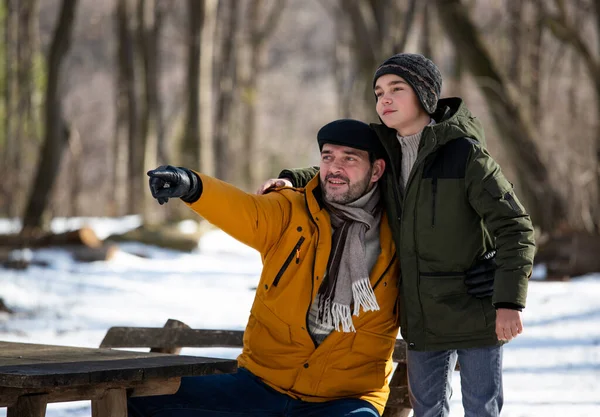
(363, 296)
(341, 316)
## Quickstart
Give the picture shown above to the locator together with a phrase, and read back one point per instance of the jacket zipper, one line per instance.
(511, 201)
(434, 183)
(312, 281)
(295, 252)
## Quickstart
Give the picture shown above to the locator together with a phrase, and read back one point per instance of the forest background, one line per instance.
(96, 92)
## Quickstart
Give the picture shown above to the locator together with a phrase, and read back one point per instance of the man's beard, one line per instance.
(355, 190)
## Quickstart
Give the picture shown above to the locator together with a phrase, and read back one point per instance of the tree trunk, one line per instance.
(9, 189)
(76, 169)
(190, 146)
(134, 140)
(515, 12)
(259, 34)
(206, 105)
(535, 90)
(377, 36)
(558, 24)
(425, 41)
(151, 129)
(227, 78)
(56, 129)
(543, 199)
(26, 51)
(124, 130)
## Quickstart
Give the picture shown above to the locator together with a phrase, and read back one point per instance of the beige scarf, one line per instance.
(347, 280)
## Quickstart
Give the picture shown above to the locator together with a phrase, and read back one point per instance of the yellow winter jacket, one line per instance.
(292, 232)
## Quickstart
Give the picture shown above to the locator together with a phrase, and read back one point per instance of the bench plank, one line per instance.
(165, 338)
(9, 396)
(159, 337)
(57, 366)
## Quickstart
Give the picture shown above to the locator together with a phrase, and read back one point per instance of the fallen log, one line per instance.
(4, 308)
(83, 244)
(84, 236)
(87, 254)
(569, 254)
(165, 236)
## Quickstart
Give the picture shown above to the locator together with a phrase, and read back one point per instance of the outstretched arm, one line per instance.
(257, 221)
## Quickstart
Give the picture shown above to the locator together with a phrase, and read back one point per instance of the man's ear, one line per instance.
(378, 169)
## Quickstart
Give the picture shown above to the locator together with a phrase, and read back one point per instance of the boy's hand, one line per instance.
(274, 183)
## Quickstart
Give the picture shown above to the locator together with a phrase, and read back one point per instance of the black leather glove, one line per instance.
(168, 181)
(479, 279)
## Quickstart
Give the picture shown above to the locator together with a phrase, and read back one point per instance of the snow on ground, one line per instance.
(553, 369)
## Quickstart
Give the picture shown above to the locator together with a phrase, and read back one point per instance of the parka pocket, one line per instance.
(364, 367)
(267, 321)
(447, 308)
(501, 189)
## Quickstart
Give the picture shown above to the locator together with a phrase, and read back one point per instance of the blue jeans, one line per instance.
(430, 375)
(240, 395)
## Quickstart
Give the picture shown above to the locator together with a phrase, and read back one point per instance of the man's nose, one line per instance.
(335, 167)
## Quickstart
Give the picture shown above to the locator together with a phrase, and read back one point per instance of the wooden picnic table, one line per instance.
(33, 375)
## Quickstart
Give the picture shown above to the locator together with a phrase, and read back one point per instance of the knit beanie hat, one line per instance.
(351, 133)
(420, 72)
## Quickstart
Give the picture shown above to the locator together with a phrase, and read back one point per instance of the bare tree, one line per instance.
(565, 30)
(150, 17)
(380, 29)
(546, 204)
(425, 41)
(535, 69)
(56, 134)
(515, 14)
(259, 33)
(190, 146)
(11, 154)
(226, 79)
(126, 111)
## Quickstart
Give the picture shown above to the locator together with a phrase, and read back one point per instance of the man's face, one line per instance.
(346, 173)
(398, 105)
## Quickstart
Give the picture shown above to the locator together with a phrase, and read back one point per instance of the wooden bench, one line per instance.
(33, 375)
(175, 335)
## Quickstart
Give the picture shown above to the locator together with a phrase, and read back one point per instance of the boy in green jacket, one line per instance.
(464, 240)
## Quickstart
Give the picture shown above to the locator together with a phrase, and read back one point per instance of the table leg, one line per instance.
(112, 404)
(29, 406)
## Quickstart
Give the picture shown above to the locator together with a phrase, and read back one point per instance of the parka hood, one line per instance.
(453, 120)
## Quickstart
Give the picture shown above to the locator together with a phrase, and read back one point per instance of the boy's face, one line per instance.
(346, 173)
(398, 105)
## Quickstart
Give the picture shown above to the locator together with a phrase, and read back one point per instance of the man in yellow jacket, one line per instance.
(323, 325)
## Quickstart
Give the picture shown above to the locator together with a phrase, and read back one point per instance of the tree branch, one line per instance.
(409, 18)
(362, 23)
(271, 20)
(561, 29)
